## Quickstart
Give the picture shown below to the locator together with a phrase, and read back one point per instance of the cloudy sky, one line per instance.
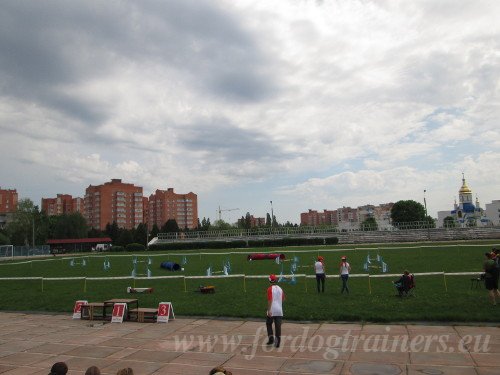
(309, 104)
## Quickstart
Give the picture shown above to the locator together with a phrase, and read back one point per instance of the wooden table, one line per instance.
(90, 308)
(144, 312)
(129, 301)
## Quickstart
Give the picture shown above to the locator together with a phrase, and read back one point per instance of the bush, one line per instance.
(135, 247)
(331, 240)
(117, 249)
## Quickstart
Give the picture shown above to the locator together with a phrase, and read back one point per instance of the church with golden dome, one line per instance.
(466, 213)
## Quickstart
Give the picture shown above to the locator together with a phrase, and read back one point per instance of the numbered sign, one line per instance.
(165, 309)
(77, 309)
(118, 312)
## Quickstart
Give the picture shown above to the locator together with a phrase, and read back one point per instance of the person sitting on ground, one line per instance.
(404, 283)
(93, 370)
(491, 274)
(59, 368)
(220, 371)
(125, 371)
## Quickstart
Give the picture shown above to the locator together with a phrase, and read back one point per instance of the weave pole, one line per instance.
(185, 288)
(244, 283)
(85, 285)
(369, 285)
(444, 278)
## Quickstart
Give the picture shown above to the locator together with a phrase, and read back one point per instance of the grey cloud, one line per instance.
(47, 44)
(225, 142)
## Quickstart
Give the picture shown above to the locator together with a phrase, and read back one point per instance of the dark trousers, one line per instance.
(320, 279)
(277, 327)
(344, 283)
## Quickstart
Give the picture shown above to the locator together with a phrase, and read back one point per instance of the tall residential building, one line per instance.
(62, 204)
(493, 211)
(315, 218)
(8, 205)
(165, 205)
(8, 200)
(114, 201)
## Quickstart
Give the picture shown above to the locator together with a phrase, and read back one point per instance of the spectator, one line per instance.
(93, 370)
(491, 274)
(319, 269)
(404, 283)
(125, 371)
(59, 368)
(220, 371)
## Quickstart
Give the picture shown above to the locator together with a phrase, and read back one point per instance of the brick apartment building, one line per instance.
(348, 217)
(314, 218)
(114, 201)
(165, 205)
(8, 205)
(62, 204)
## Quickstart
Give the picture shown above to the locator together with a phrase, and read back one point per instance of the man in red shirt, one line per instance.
(275, 298)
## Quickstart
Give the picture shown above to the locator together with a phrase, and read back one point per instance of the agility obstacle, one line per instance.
(375, 263)
(263, 256)
(170, 266)
(78, 262)
(226, 269)
(107, 264)
(145, 265)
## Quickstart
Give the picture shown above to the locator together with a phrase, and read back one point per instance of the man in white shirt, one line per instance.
(319, 269)
(275, 298)
(345, 268)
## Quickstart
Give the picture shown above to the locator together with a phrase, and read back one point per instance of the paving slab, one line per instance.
(31, 343)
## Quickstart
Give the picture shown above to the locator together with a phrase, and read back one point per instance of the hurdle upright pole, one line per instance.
(185, 288)
(305, 281)
(444, 278)
(85, 285)
(244, 283)
(42, 284)
(369, 284)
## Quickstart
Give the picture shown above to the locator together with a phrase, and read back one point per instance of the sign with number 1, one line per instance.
(165, 309)
(118, 312)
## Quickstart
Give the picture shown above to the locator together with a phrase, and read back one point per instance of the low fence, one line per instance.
(242, 276)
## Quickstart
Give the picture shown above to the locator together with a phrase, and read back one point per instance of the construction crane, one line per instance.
(220, 211)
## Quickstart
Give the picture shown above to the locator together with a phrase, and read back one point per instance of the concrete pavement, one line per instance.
(31, 343)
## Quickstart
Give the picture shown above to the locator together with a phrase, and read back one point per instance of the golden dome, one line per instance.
(464, 189)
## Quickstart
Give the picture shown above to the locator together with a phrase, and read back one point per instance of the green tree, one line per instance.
(221, 225)
(125, 237)
(113, 231)
(154, 231)
(449, 222)
(68, 226)
(141, 234)
(205, 224)
(23, 226)
(430, 222)
(268, 220)
(407, 211)
(170, 226)
(4, 239)
(369, 224)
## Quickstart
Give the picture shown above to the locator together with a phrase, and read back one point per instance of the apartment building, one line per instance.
(348, 217)
(114, 201)
(315, 218)
(254, 221)
(62, 204)
(8, 205)
(165, 205)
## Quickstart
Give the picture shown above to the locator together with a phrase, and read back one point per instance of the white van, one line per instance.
(102, 247)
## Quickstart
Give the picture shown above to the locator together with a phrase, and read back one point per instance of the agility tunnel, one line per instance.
(262, 256)
(171, 266)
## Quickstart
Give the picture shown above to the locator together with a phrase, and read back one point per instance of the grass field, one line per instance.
(438, 298)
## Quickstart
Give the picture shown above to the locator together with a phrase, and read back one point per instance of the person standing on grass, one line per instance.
(275, 298)
(345, 268)
(319, 269)
(491, 274)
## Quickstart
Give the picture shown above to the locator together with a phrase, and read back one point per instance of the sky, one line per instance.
(308, 104)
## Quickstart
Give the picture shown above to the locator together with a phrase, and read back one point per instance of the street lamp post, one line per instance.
(425, 204)
(272, 214)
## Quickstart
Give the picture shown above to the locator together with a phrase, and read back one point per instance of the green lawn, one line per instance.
(370, 299)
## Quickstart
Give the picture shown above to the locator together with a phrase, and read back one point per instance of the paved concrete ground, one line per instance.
(31, 343)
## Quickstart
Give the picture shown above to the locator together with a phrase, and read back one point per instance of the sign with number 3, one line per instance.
(165, 309)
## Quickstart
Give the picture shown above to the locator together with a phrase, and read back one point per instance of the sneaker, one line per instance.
(270, 341)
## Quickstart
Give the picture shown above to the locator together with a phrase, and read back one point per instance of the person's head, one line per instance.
(496, 251)
(273, 279)
(343, 259)
(320, 258)
(59, 368)
(487, 255)
(406, 272)
(219, 370)
(93, 370)
(125, 371)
